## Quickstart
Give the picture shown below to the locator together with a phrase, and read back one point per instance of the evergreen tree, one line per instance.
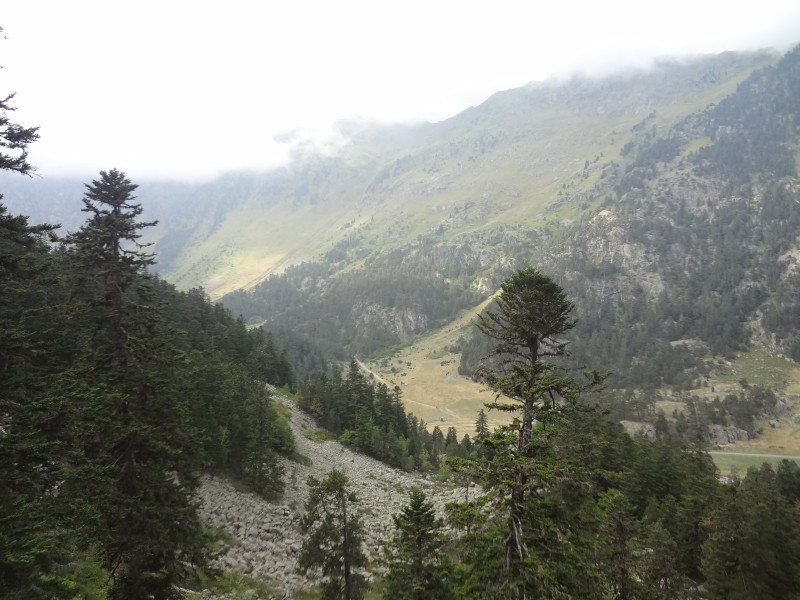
(531, 312)
(418, 567)
(334, 538)
(618, 530)
(481, 426)
(451, 441)
(29, 334)
(262, 437)
(133, 449)
(31, 542)
(753, 549)
(14, 139)
(657, 565)
(479, 570)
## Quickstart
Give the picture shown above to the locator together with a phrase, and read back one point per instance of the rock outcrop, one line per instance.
(721, 435)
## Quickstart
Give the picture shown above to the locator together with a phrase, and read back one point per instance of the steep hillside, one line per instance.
(526, 157)
(518, 159)
(665, 201)
(695, 246)
(666, 242)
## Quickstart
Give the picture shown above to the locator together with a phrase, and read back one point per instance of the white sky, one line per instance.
(186, 89)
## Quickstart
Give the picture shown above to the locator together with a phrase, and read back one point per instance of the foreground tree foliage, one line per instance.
(118, 392)
(530, 314)
(333, 546)
(132, 445)
(30, 542)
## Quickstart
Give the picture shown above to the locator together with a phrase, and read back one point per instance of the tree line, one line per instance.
(370, 418)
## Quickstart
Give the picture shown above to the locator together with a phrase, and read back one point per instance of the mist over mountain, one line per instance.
(649, 194)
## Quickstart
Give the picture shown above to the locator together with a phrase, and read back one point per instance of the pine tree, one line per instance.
(418, 567)
(334, 538)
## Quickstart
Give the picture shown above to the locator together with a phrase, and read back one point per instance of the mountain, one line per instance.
(665, 201)
(517, 159)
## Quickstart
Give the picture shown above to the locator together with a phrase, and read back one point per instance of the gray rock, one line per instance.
(722, 435)
(267, 533)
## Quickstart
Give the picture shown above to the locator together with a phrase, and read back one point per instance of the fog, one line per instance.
(186, 90)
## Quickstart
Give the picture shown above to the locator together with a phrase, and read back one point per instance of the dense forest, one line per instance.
(391, 300)
(118, 393)
(567, 505)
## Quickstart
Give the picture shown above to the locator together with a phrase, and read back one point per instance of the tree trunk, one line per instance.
(345, 545)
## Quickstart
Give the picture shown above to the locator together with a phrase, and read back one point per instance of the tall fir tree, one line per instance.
(418, 566)
(133, 449)
(531, 313)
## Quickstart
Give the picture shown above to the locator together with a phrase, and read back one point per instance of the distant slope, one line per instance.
(529, 156)
(665, 201)
(524, 157)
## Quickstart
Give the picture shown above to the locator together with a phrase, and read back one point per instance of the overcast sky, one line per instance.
(186, 89)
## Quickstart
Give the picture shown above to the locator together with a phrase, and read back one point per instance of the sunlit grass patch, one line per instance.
(759, 367)
(737, 464)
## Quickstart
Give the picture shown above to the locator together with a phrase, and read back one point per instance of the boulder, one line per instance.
(721, 435)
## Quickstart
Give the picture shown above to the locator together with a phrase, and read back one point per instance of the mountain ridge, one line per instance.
(509, 157)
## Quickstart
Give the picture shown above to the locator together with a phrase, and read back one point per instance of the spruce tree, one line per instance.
(530, 315)
(481, 426)
(418, 566)
(133, 459)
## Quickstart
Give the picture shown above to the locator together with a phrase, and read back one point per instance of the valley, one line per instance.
(644, 227)
(432, 388)
(427, 374)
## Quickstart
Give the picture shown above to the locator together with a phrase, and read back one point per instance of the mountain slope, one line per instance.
(519, 158)
(664, 201)
(500, 164)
